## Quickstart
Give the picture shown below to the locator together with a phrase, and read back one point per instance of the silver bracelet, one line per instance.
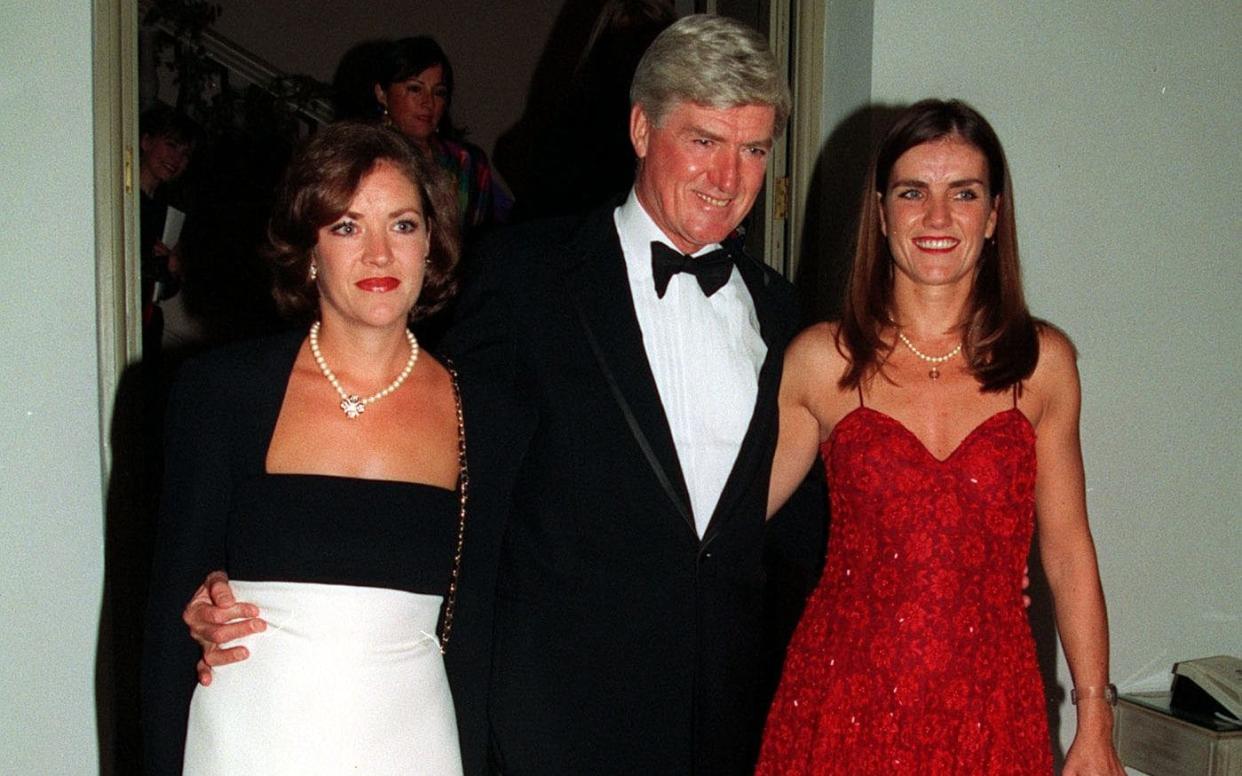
(1108, 692)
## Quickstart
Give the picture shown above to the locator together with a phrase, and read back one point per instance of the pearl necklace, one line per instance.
(351, 405)
(935, 361)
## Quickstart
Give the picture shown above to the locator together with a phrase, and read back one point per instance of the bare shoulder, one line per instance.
(1055, 379)
(1058, 358)
(814, 365)
(436, 379)
(815, 351)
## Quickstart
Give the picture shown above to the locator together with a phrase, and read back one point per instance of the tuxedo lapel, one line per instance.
(599, 288)
(759, 283)
(762, 415)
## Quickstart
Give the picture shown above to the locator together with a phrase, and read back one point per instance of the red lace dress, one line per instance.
(914, 655)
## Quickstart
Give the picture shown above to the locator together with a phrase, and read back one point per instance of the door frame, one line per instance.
(806, 129)
(115, 109)
(796, 37)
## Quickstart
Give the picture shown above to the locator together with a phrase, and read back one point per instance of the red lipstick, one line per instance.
(378, 285)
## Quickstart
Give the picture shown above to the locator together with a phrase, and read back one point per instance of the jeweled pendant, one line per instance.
(934, 373)
(352, 406)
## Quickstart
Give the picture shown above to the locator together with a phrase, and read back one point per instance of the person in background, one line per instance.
(324, 470)
(581, 157)
(413, 90)
(947, 419)
(166, 143)
(353, 82)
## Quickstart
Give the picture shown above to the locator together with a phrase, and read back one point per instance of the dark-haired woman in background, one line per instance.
(323, 471)
(947, 418)
(414, 91)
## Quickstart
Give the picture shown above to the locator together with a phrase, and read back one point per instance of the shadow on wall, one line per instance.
(831, 221)
(128, 540)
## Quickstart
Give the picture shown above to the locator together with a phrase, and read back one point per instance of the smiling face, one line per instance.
(701, 169)
(370, 260)
(163, 158)
(417, 104)
(937, 212)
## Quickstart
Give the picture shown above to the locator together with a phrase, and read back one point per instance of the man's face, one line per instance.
(700, 171)
(164, 157)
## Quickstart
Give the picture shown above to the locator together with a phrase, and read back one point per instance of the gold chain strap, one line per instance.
(463, 487)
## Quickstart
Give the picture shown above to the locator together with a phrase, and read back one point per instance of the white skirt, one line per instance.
(344, 680)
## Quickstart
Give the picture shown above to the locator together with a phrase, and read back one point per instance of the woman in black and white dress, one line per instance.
(323, 470)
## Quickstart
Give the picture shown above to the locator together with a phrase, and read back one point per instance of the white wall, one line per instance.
(51, 523)
(1120, 121)
(847, 58)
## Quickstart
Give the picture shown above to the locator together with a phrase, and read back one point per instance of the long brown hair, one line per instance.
(1000, 338)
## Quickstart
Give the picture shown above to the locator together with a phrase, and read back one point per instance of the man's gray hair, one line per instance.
(709, 60)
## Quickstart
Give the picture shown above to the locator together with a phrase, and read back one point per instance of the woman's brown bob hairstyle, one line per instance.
(1000, 339)
(318, 186)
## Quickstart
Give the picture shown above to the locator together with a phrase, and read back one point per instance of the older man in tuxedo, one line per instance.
(619, 377)
(636, 354)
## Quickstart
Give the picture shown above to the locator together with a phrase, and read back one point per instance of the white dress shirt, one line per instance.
(705, 353)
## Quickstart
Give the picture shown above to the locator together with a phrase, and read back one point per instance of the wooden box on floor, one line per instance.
(1152, 740)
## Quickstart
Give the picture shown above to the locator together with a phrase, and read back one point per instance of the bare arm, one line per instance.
(810, 372)
(1068, 554)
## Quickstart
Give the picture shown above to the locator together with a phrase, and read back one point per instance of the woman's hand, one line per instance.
(214, 617)
(1092, 756)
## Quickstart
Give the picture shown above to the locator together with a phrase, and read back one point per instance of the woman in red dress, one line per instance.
(947, 418)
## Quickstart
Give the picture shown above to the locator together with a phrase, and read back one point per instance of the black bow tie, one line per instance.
(712, 269)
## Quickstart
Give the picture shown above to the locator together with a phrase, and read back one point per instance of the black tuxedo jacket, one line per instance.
(621, 642)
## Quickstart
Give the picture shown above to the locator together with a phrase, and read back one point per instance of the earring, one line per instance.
(314, 272)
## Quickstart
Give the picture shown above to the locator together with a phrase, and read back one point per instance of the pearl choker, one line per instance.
(351, 405)
(935, 361)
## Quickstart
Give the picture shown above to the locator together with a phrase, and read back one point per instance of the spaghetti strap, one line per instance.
(860, 398)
